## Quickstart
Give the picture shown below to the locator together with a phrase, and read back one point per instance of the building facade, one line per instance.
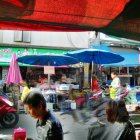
(34, 42)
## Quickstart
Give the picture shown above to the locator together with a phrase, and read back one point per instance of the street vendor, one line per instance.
(48, 126)
(115, 85)
(94, 83)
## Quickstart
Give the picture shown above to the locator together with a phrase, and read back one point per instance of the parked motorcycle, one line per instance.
(8, 114)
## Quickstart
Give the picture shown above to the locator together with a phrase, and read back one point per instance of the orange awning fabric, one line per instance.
(59, 15)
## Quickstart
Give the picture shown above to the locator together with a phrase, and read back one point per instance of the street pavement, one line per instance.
(72, 130)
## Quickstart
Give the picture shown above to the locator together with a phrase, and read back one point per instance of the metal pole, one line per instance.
(49, 81)
(128, 70)
(92, 66)
(119, 70)
(49, 78)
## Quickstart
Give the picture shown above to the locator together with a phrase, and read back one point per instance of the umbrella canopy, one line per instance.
(131, 60)
(95, 55)
(14, 75)
(47, 60)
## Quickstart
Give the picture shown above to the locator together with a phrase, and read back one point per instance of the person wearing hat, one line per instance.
(48, 126)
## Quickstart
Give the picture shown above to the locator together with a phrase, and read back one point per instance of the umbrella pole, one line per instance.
(91, 73)
(49, 81)
(49, 78)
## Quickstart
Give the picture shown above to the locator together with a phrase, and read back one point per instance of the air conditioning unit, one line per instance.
(27, 36)
(18, 36)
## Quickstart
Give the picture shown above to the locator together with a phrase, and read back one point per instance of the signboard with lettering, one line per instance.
(7, 52)
(49, 70)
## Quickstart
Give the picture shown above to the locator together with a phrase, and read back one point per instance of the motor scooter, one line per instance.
(8, 114)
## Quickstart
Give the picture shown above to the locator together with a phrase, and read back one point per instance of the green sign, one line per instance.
(7, 52)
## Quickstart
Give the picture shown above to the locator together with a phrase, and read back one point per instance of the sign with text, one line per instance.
(7, 52)
(49, 70)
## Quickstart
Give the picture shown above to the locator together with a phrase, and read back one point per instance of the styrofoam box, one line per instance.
(75, 86)
(64, 87)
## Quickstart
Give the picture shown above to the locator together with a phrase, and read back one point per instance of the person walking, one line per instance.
(117, 127)
(48, 126)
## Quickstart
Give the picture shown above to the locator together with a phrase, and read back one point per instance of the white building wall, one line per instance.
(51, 39)
(8, 36)
(60, 39)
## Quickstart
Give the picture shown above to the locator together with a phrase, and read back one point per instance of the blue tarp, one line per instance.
(102, 47)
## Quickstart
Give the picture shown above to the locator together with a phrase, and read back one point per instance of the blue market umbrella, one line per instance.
(47, 60)
(95, 55)
(131, 60)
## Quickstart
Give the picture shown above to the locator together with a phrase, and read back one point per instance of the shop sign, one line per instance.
(7, 52)
(49, 70)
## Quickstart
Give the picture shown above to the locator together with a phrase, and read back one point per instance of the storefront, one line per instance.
(128, 69)
(37, 72)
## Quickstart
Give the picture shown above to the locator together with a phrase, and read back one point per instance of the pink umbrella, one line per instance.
(14, 75)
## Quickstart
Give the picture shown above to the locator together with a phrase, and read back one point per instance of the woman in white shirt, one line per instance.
(116, 80)
(115, 85)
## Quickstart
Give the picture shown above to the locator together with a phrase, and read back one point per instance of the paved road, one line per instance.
(72, 130)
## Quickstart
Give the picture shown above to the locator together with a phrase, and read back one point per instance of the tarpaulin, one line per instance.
(127, 24)
(59, 15)
(113, 17)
